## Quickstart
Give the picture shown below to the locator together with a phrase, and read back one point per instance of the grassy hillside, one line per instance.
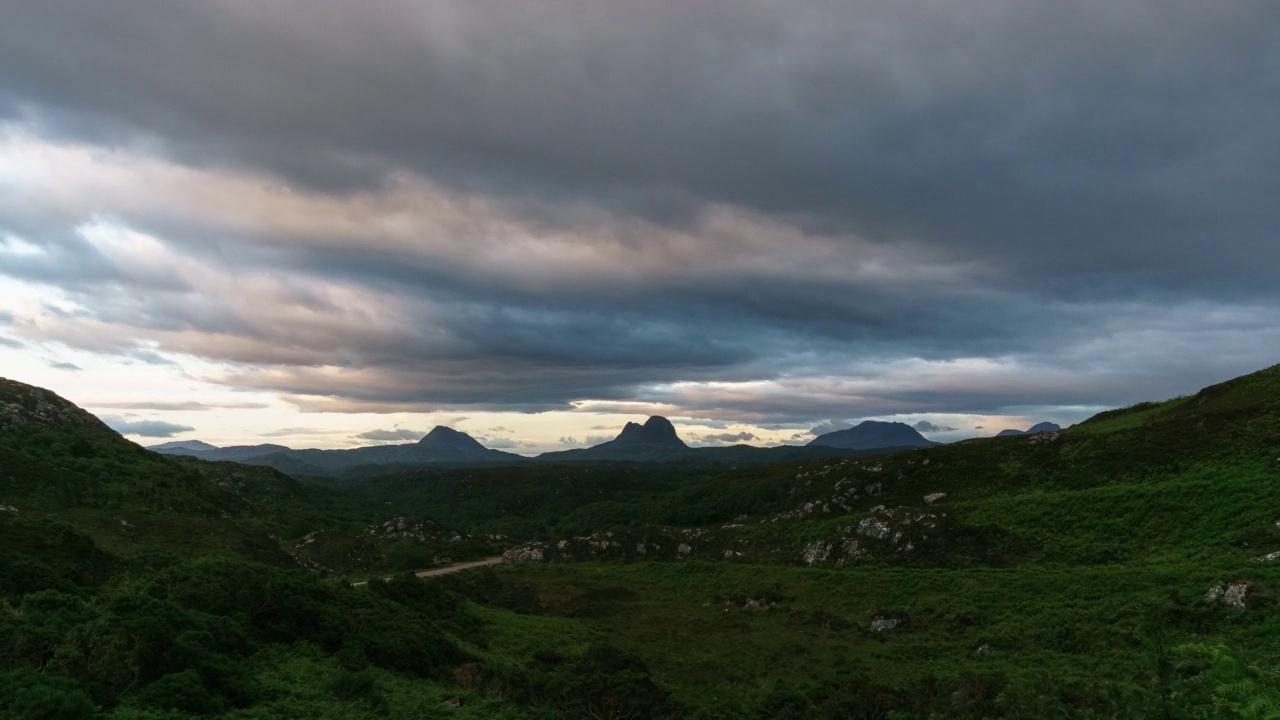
(134, 585)
(1059, 575)
(1118, 569)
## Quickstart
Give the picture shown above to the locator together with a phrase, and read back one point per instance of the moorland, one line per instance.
(1122, 568)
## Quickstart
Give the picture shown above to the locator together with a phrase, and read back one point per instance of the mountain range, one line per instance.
(440, 446)
(654, 441)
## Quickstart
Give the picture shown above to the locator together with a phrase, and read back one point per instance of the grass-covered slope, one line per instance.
(135, 586)
(1119, 569)
(62, 470)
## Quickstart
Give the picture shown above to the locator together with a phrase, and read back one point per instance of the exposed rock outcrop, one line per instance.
(23, 405)
(1235, 595)
(882, 624)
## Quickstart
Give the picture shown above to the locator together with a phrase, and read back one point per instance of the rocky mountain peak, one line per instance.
(655, 431)
(446, 439)
(23, 405)
(440, 432)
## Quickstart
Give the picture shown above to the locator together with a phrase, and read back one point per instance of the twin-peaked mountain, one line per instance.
(655, 440)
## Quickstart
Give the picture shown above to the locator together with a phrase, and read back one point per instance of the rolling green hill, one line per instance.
(1123, 568)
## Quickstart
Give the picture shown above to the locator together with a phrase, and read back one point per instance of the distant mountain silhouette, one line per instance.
(873, 435)
(190, 445)
(447, 442)
(655, 431)
(440, 446)
(205, 451)
(655, 440)
(1038, 427)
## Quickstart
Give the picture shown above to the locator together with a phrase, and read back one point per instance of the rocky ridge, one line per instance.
(24, 405)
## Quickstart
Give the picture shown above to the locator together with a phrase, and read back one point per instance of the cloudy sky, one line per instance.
(327, 223)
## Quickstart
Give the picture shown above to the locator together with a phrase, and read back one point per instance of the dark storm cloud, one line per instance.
(925, 426)
(1069, 141)
(830, 426)
(497, 347)
(1035, 182)
(146, 428)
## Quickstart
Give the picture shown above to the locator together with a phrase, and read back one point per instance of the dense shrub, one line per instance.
(29, 695)
(179, 639)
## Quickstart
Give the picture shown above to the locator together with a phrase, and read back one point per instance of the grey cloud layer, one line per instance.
(1131, 132)
(723, 438)
(146, 428)
(396, 435)
(526, 206)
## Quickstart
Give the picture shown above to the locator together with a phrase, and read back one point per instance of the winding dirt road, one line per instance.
(449, 570)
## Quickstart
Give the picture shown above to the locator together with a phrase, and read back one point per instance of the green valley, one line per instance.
(1122, 568)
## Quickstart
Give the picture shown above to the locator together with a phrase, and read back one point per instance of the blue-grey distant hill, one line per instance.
(873, 435)
(172, 448)
(1037, 428)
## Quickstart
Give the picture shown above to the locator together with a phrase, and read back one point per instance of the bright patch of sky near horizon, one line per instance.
(555, 219)
(120, 388)
(113, 388)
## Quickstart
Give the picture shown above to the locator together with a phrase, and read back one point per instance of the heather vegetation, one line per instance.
(1122, 568)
